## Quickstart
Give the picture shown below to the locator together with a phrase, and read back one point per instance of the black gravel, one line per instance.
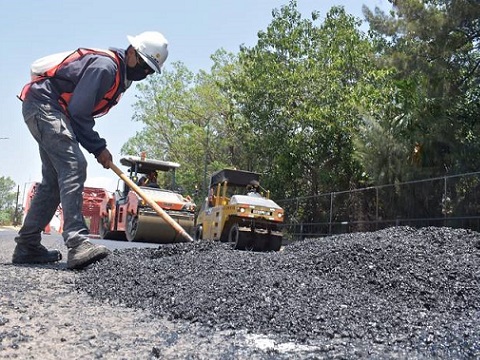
(397, 293)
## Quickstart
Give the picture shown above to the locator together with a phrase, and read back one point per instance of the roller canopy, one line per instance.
(233, 177)
(147, 165)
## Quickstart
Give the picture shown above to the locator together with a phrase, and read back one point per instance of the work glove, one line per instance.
(105, 158)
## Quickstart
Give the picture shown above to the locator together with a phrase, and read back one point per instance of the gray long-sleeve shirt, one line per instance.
(88, 79)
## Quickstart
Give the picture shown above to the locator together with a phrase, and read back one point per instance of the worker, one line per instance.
(142, 181)
(211, 197)
(150, 180)
(252, 188)
(59, 107)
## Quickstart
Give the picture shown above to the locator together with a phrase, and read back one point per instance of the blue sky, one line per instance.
(195, 29)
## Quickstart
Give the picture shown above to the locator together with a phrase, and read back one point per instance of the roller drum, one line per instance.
(149, 228)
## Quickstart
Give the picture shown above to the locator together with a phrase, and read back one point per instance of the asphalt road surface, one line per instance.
(397, 293)
(7, 234)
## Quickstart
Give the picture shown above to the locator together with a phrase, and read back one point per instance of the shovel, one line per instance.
(162, 213)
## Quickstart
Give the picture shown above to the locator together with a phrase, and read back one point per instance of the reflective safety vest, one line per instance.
(109, 100)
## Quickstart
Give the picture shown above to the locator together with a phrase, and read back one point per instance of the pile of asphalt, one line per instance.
(395, 293)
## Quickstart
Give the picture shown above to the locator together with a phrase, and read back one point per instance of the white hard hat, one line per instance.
(152, 47)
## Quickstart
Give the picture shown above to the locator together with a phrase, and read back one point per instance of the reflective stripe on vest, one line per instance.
(109, 100)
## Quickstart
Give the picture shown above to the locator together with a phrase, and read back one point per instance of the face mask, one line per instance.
(136, 73)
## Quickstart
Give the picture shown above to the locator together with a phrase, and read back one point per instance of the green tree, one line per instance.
(433, 45)
(299, 90)
(7, 200)
(185, 117)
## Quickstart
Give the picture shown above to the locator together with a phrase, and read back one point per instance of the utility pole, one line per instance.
(15, 216)
(206, 159)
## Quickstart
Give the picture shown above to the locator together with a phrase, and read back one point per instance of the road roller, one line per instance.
(126, 216)
(239, 210)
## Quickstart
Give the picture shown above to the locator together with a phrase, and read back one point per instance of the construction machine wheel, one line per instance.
(198, 233)
(104, 229)
(274, 243)
(249, 239)
(260, 242)
(132, 227)
(234, 236)
(237, 238)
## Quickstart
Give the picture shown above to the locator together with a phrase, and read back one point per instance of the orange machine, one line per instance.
(125, 215)
(92, 199)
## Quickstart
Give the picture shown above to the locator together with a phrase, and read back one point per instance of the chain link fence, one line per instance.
(451, 201)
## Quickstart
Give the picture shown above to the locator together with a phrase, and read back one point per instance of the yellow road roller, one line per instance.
(238, 210)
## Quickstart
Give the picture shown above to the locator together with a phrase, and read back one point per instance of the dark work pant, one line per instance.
(64, 171)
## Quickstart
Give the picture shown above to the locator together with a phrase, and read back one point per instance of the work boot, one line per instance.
(34, 254)
(85, 254)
